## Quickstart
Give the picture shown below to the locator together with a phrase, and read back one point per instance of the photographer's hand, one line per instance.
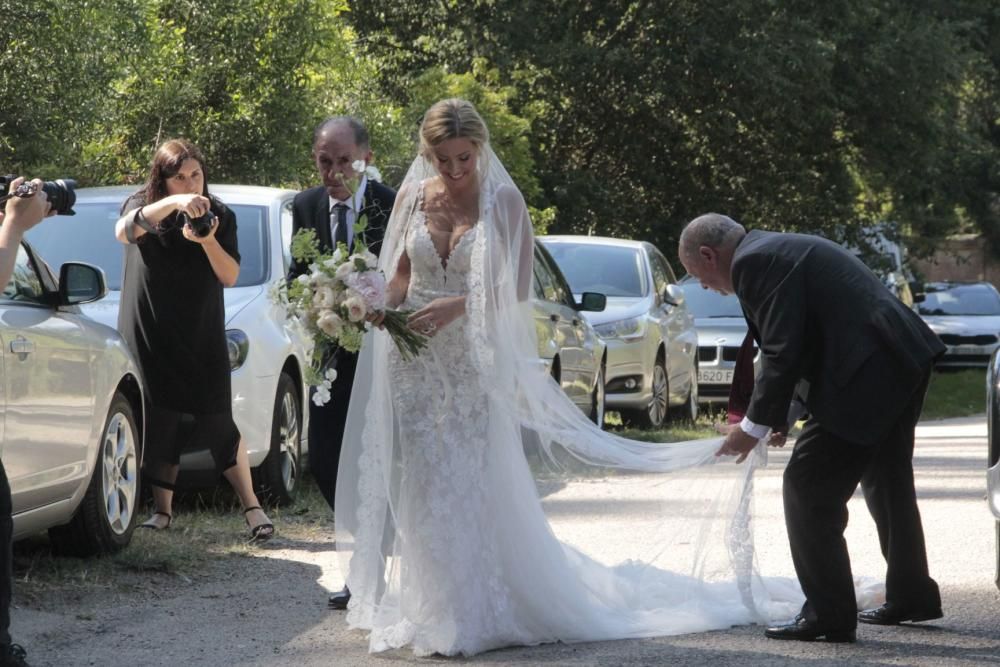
(194, 205)
(226, 269)
(20, 215)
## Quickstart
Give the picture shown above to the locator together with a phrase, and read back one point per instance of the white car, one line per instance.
(267, 355)
(651, 371)
(72, 405)
(966, 317)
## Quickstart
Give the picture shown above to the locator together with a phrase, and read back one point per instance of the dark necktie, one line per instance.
(340, 234)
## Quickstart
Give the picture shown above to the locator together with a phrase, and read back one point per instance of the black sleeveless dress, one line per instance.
(172, 316)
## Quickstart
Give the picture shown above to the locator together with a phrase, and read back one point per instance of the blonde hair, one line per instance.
(452, 119)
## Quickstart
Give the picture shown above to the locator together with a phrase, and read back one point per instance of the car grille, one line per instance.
(712, 353)
(955, 339)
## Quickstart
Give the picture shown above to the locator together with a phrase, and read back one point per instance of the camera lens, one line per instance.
(61, 194)
(201, 225)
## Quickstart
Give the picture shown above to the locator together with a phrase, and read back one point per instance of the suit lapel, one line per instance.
(322, 218)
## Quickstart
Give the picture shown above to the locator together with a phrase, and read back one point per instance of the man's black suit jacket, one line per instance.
(311, 210)
(820, 315)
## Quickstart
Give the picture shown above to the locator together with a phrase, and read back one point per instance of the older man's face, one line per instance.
(707, 267)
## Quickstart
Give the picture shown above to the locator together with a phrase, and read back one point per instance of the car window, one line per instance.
(25, 284)
(251, 231)
(661, 272)
(961, 300)
(605, 269)
(89, 236)
(709, 303)
(550, 290)
(286, 233)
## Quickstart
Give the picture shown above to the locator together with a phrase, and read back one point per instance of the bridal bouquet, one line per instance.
(334, 299)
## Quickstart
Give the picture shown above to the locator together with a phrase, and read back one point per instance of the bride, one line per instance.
(449, 548)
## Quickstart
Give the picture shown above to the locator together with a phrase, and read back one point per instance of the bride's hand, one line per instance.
(376, 318)
(436, 315)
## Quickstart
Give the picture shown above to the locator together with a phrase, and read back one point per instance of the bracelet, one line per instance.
(137, 220)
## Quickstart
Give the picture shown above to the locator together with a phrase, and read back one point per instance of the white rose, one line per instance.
(358, 166)
(303, 279)
(344, 270)
(330, 323)
(331, 263)
(370, 259)
(356, 310)
(331, 375)
(373, 173)
(322, 395)
(338, 255)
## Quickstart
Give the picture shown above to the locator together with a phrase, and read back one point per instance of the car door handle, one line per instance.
(555, 317)
(21, 346)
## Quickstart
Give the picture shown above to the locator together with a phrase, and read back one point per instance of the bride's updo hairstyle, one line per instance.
(452, 119)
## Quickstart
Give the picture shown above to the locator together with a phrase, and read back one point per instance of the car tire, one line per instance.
(278, 475)
(687, 412)
(106, 517)
(654, 415)
(597, 399)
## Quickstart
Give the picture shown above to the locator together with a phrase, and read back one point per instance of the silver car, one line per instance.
(652, 367)
(993, 455)
(966, 317)
(267, 355)
(721, 329)
(72, 405)
(567, 344)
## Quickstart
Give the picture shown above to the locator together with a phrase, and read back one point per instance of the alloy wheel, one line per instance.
(121, 473)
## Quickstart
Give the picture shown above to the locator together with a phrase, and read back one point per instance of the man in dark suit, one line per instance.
(829, 330)
(332, 210)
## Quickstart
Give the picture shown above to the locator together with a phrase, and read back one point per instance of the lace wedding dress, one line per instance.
(443, 534)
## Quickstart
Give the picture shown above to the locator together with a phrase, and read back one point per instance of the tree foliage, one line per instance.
(622, 117)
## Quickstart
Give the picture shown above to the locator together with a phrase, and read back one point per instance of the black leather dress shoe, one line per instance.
(894, 614)
(810, 631)
(340, 599)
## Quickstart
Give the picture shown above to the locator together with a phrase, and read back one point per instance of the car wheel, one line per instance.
(278, 475)
(655, 413)
(106, 517)
(597, 399)
(687, 412)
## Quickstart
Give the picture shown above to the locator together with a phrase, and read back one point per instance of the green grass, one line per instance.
(208, 534)
(955, 394)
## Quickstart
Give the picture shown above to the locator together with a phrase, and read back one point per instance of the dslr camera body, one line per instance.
(60, 192)
(201, 225)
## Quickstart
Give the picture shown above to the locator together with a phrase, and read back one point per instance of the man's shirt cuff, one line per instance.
(758, 431)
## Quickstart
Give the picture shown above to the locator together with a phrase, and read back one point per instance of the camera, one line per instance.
(60, 192)
(201, 225)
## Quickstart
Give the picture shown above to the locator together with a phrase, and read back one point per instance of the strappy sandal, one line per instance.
(152, 526)
(261, 532)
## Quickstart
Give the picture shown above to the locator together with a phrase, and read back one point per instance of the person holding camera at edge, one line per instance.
(332, 210)
(181, 250)
(20, 214)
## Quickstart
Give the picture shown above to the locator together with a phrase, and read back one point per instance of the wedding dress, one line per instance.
(443, 533)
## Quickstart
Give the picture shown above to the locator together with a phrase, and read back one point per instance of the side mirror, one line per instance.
(592, 302)
(917, 289)
(673, 295)
(80, 283)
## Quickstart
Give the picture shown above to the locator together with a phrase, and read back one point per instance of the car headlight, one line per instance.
(630, 328)
(239, 346)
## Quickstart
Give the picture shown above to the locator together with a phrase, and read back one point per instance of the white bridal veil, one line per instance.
(680, 519)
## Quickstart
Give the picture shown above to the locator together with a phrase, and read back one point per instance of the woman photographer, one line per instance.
(181, 250)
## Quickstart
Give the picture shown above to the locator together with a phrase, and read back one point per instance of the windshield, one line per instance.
(89, 236)
(608, 270)
(961, 300)
(702, 302)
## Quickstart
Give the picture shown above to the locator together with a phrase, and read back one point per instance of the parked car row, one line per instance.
(966, 317)
(613, 330)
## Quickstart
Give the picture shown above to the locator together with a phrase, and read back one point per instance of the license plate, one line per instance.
(714, 376)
